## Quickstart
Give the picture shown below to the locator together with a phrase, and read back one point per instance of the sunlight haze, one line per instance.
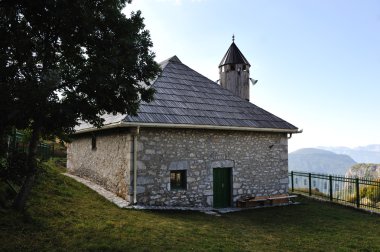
(317, 62)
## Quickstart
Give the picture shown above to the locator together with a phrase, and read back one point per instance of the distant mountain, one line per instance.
(319, 161)
(362, 154)
(371, 171)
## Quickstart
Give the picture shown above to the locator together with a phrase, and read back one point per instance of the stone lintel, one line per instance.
(179, 165)
(222, 164)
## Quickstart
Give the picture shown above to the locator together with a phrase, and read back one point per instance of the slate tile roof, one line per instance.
(185, 97)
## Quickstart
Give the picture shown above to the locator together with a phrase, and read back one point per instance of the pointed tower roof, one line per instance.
(233, 56)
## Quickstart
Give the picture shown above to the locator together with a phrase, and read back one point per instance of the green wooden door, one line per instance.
(222, 187)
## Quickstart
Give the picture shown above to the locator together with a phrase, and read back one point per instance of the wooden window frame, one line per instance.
(178, 180)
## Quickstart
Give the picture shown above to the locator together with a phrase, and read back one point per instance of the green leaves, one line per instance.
(61, 61)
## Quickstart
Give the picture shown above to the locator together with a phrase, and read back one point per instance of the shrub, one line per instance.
(7, 194)
(13, 168)
(363, 192)
(371, 193)
(12, 174)
(350, 198)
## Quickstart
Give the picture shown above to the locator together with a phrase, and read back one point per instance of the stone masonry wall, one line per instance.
(259, 164)
(108, 165)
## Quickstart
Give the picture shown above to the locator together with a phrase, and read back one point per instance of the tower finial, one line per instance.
(233, 37)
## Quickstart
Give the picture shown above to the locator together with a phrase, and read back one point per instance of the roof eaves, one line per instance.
(217, 127)
(119, 124)
(124, 124)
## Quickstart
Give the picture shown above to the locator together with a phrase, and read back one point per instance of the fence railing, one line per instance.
(357, 192)
(17, 143)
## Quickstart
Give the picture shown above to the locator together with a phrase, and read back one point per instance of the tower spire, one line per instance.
(234, 71)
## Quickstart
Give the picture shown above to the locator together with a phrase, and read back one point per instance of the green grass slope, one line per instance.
(64, 215)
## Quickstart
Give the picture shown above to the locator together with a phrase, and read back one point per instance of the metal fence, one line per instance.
(16, 142)
(357, 192)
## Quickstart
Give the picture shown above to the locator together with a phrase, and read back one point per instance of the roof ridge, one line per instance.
(210, 81)
(171, 59)
(219, 86)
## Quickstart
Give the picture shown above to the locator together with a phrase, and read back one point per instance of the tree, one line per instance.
(64, 60)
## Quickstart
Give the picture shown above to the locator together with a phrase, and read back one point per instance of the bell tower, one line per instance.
(234, 72)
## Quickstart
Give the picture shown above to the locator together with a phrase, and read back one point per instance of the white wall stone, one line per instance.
(108, 165)
(259, 163)
(258, 160)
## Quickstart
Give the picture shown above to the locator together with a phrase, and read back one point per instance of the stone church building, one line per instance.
(198, 144)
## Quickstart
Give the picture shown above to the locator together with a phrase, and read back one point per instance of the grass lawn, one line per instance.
(64, 215)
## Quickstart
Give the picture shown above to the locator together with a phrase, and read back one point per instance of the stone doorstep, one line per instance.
(122, 203)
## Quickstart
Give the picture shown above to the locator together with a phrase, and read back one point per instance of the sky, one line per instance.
(317, 62)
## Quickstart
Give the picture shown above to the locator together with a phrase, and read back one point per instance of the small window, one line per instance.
(244, 68)
(93, 142)
(325, 185)
(178, 180)
(232, 67)
(304, 182)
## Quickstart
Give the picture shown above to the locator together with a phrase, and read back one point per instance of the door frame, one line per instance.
(230, 195)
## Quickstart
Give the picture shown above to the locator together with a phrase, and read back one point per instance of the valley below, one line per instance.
(353, 162)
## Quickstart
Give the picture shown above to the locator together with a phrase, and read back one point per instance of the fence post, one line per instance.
(357, 193)
(330, 187)
(292, 177)
(309, 184)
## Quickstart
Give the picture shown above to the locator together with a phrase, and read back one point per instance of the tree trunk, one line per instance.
(3, 148)
(21, 198)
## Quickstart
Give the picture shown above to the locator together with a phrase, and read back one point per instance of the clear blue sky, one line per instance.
(317, 61)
